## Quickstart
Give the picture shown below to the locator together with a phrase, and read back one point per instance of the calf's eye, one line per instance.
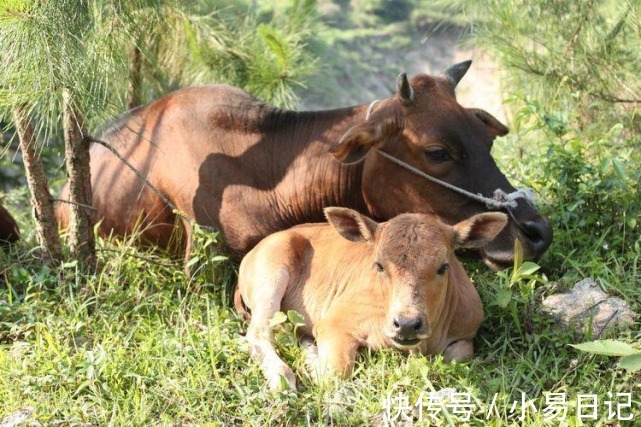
(379, 267)
(442, 269)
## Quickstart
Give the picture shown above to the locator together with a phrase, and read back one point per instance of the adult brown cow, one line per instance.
(9, 231)
(249, 169)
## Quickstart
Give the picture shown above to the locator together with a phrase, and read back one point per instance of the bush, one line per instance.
(576, 92)
(590, 182)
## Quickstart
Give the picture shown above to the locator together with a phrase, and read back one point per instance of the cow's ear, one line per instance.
(351, 224)
(479, 230)
(492, 124)
(356, 143)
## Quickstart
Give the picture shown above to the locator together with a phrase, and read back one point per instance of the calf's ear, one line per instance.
(351, 224)
(356, 143)
(479, 230)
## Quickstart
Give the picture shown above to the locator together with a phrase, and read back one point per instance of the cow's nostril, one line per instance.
(407, 327)
(538, 234)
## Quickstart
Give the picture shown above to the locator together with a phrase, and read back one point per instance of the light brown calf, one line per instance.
(363, 284)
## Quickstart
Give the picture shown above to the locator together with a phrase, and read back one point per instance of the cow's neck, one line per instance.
(317, 179)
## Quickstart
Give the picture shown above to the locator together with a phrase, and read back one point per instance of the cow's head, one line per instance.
(412, 254)
(423, 125)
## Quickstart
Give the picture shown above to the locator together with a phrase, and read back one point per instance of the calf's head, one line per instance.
(424, 126)
(412, 254)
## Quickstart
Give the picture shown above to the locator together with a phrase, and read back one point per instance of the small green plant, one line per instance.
(288, 323)
(204, 240)
(515, 287)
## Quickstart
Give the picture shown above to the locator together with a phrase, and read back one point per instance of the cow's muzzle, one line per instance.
(534, 234)
(408, 332)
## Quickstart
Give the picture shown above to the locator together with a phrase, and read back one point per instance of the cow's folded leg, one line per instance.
(336, 353)
(458, 350)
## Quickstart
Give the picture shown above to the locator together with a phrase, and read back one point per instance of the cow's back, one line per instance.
(164, 141)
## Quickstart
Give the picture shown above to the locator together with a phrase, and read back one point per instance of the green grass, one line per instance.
(141, 344)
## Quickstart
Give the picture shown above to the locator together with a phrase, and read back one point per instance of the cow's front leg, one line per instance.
(337, 351)
(458, 350)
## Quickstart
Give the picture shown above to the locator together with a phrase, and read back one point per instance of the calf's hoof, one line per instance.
(310, 349)
(281, 378)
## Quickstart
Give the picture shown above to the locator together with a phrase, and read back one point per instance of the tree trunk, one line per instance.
(81, 237)
(45, 219)
(134, 88)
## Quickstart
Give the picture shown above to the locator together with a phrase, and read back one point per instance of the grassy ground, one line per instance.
(141, 344)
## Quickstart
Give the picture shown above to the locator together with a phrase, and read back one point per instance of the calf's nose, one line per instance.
(407, 328)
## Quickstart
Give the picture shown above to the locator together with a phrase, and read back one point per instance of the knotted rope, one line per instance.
(500, 200)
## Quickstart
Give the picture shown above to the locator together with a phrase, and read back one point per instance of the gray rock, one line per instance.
(17, 418)
(588, 301)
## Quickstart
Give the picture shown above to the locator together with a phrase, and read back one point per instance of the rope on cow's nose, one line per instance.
(500, 199)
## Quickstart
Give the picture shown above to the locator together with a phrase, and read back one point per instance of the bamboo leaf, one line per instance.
(503, 298)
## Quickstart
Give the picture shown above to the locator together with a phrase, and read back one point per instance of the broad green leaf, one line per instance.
(193, 261)
(606, 348)
(528, 267)
(192, 40)
(631, 362)
(279, 317)
(605, 164)
(503, 298)
(296, 318)
(619, 169)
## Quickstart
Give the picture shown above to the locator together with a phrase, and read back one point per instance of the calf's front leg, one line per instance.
(337, 351)
(264, 302)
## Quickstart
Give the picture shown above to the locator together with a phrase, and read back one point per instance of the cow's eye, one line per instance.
(379, 267)
(442, 269)
(438, 155)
